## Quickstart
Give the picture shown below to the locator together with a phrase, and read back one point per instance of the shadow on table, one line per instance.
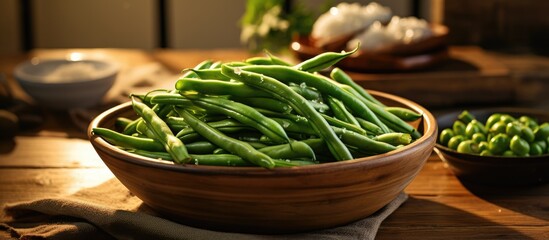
(425, 219)
(529, 200)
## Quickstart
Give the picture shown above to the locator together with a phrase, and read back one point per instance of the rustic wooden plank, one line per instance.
(27, 184)
(470, 232)
(49, 152)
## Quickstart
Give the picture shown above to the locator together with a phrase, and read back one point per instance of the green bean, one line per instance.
(340, 112)
(362, 142)
(122, 122)
(218, 87)
(329, 87)
(370, 127)
(340, 76)
(143, 129)
(260, 61)
(176, 123)
(445, 136)
(265, 103)
(170, 98)
(295, 127)
(230, 125)
(341, 124)
(128, 141)
(394, 139)
(200, 147)
(237, 147)
(276, 60)
(210, 74)
(272, 114)
(292, 150)
(198, 159)
(245, 114)
(163, 133)
(404, 113)
(300, 104)
(215, 65)
(323, 61)
(307, 92)
(320, 107)
(492, 119)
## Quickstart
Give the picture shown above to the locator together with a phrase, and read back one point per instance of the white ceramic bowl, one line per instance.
(64, 84)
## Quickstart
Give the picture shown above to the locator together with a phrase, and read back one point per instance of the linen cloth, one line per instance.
(110, 211)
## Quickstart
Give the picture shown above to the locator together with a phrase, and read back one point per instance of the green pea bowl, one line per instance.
(494, 169)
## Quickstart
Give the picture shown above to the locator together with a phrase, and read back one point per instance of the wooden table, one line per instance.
(57, 159)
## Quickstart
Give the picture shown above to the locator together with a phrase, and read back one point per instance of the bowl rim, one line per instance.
(441, 149)
(430, 131)
(21, 76)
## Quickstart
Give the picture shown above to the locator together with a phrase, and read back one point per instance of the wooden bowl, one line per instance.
(257, 200)
(495, 170)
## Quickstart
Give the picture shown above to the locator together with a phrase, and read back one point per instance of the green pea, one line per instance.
(498, 127)
(519, 146)
(455, 140)
(527, 134)
(508, 153)
(471, 129)
(478, 137)
(494, 118)
(528, 121)
(513, 128)
(468, 146)
(483, 146)
(506, 118)
(535, 150)
(466, 117)
(499, 143)
(486, 152)
(459, 128)
(542, 144)
(445, 136)
(474, 127)
(542, 131)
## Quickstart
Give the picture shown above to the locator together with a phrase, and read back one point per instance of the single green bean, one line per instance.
(323, 61)
(163, 133)
(404, 113)
(370, 127)
(127, 141)
(265, 103)
(292, 150)
(218, 87)
(340, 76)
(122, 122)
(394, 139)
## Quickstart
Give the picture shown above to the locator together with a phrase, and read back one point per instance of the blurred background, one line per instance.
(503, 25)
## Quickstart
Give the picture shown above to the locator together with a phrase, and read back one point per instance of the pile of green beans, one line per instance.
(501, 135)
(264, 112)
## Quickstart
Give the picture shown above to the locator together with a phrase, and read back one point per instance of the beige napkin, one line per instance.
(110, 211)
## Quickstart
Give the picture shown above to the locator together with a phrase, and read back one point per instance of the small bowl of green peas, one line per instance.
(496, 146)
